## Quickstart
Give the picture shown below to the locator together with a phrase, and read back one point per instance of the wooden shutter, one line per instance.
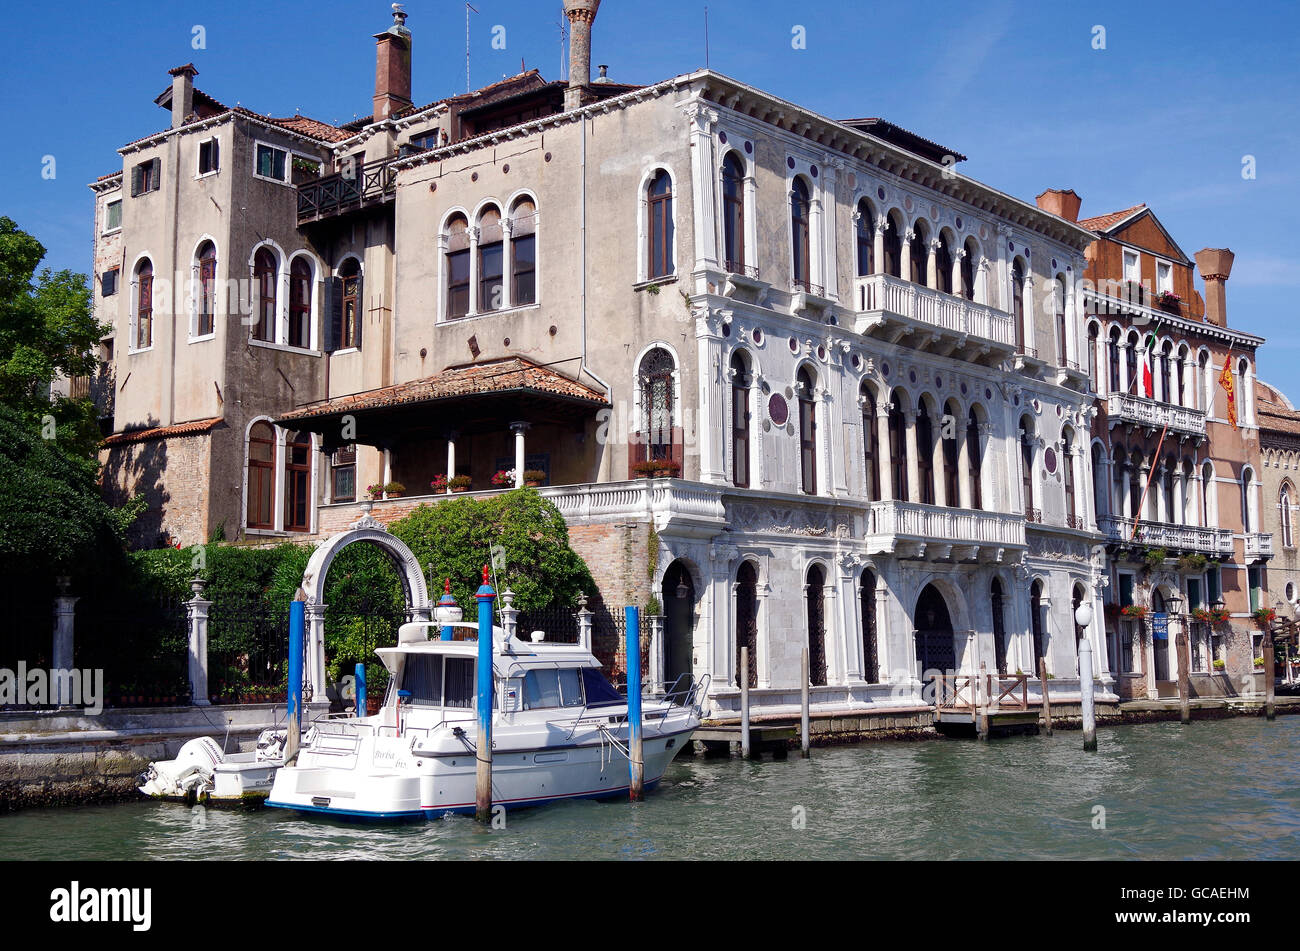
(361, 307)
(136, 174)
(216, 155)
(334, 313)
(155, 178)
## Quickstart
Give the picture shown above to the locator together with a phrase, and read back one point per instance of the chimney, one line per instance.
(182, 93)
(1215, 264)
(393, 67)
(1064, 204)
(581, 13)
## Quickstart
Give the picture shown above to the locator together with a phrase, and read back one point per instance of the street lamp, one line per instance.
(1217, 605)
(1173, 603)
(1083, 614)
(1083, 617)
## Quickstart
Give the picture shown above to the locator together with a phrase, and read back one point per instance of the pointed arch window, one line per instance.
(739, 421)
(866, 240)
(1112, 354)
(943, 264)
(816, 595)
(144, 305)
(265, 275)
(898, 450)
(655, 380)
(893, 248)
(491, 261)
(975, 460)
(918, 255)
(205, 322)
(733, 214)
(1284, 512)
(800, 230)
(458, 267)
(1062, 331)
(659, 194)
(871, 453)
(968, 271)
(261, 476)
(1018, 302)
(1027, 470)
(807, 433)
(747, 622)
(300, 283)
(523, 252)
(1067, 470)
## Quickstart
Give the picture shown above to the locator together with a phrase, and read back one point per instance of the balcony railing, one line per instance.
(369, 184)
(1207, 541)
(1259, 545)
(883, 294)
(940, 529)
(1152, 415)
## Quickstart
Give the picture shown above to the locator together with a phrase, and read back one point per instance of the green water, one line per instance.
(1228, 789)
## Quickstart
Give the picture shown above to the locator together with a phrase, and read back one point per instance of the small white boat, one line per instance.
(559, 731)
(202, 773)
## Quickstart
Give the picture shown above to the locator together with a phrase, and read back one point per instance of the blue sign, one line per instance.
(1160, 626)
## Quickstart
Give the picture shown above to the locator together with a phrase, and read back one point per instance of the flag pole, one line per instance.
(1147, 488)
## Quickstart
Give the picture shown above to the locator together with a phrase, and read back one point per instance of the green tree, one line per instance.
(46, 330)
(454, 539)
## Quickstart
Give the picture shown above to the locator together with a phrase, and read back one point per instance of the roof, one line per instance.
(1104, 223)
(884, 129)
(162, 432)
(1274, 411)
(493, 376)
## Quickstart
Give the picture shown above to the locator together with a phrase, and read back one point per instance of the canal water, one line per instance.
(1227, 789)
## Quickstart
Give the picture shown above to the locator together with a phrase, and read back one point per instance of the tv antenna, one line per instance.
(468, 7)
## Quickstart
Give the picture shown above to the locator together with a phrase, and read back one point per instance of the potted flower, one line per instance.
(668, 468)
(504, 478)
(647, 469)
(395, 490)
(439, 484)
(460, 483)
(1193, 563)
(1218, 665)
(534, 477)
(1168, 300)
(1135, 611)
(1155, 557)
(1264, 616)
(375, 492)
(1111, 610)
(1259, 663)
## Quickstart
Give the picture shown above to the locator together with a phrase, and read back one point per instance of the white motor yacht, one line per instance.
(559, 731)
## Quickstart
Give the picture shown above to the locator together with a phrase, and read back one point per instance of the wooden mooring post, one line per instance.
(1047, 700)
(1270, 678)
(803, 705)
(981, 711)
(1086, 705)
(1184, 678)
(744, 702)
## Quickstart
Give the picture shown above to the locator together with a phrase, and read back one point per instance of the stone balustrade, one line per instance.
(1207, 541)
(1130, 410)
(880, 297)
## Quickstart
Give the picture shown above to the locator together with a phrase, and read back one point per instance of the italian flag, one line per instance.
(1147, 370)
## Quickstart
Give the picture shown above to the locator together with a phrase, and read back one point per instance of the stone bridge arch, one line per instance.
(414, 588)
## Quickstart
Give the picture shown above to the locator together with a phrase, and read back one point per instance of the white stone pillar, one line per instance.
(196, 610)
(314, 667)
(65, 616)
(704, 174)
(584, 623)
(913, 460)
(878, 244)
(507, 261)
(451, 457)
(519, 428)
(958, 254)
(932, 265)
(473, 271)
(1122, 355)
(509, 614)
(905, 259)
(830, 278)
(884, 459)
(714, 382)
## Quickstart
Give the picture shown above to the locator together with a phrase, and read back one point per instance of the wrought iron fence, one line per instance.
(558, 623)
(142, 647)
(248, 652)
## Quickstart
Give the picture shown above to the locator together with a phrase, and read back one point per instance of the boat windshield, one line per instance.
(600, 692)
(435, 681)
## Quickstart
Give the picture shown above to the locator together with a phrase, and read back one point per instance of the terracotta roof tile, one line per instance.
(312, 127)
(495, 376)
(162, 432)
(1106, 222)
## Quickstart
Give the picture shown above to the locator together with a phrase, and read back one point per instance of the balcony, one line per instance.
(934, 533)
(1259, 546)
(1138, 411)
(340, 194)
(1216, 542)
(891, 308)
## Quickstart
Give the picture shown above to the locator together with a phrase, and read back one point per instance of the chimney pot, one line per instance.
(393, 67)
(182, 93)
(1063, 203)
(581, 14)
(1215, 265)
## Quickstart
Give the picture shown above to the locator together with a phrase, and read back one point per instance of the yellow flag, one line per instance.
(1225, 381)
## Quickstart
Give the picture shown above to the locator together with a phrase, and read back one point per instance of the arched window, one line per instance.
(265, 277)
(206, 290)
(999, 627)
(348, 330)
(918, 253)
(297, 482)
(870, 641)
(1166, 379)
(655, 379)
(1284, 512)
(925, 453)
(1209, 510)
(458, 266)
(948, 443)
(807, 433)
(870, 455)
(733, 214)
(1067, 470)
(1093, 331)
(1135, 485)
(816, 595)
(1099, 499)
(747, 622)
(144, 305)
(1027, 468)
(1062, 332)
(523, 252)
(800, 232)
(1206, 395)
(943, 264)
(866, 238)
(1036, 620)
(300, 303)
(261, 476)
(491, 261)
(893, 247)
(1247, 510)
(1180, 378)
(898, 450)
(1112, 355)
(739, 420)
(974, 460)
(1018, 302)
(1134, 384)
(968, 270)
(659, 195)
(1169, 515)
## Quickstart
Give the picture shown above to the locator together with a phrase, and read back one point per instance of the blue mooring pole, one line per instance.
(297, 632)
(361, 690)
(445, 602)
(636, 758)
(483, 784)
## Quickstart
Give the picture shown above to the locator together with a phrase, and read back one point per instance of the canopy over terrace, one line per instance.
(480, 414)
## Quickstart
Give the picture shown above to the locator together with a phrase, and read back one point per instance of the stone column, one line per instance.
(764, 590)
(905, 259)
(704, 173)
(850, 659)
(509, 614)
(65, 611)
(473, 271)
(1031, 343)
(714, 392)
(878, 244)
(884, 459)
(314, 666)
(196, 609)
(963, 469)
(451, 456)
(1162, 502)
(654, 676)
(958, 254)
(938, 465)
(507, 260)
(829, 270)
(913, 470)
(932, 265)
(1122, 356)
(584, 623)
(520, 455)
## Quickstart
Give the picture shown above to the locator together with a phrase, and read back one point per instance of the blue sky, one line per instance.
(1164, 114)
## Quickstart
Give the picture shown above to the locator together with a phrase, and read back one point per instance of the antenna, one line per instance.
(706, 36)
(468, 8)
(561, 23)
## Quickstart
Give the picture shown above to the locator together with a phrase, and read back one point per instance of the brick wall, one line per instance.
(173, 476)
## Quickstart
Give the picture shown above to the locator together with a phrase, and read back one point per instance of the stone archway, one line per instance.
(934, 639)
(414, 588)
(678, 593)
